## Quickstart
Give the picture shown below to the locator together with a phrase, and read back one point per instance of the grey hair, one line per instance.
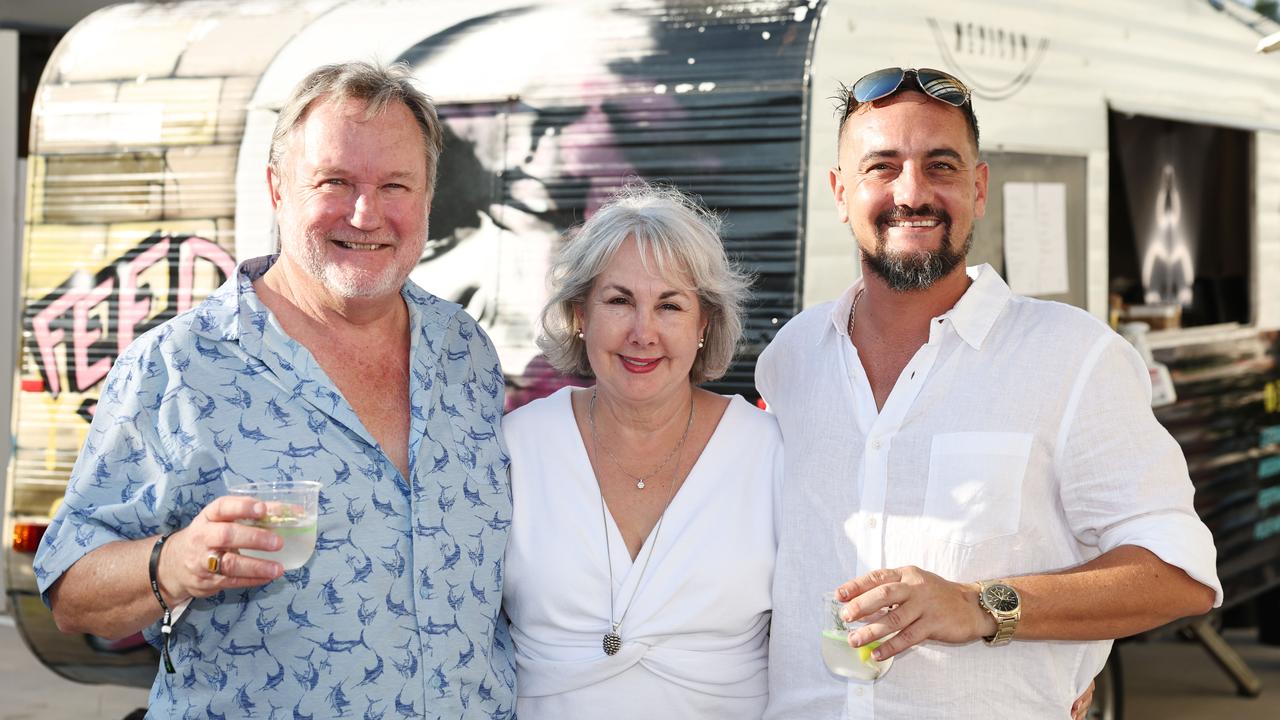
(676, 233)
(378, 86)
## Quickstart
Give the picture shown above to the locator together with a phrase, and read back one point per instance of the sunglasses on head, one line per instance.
(934, 83)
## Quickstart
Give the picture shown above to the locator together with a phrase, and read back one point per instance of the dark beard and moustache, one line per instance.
(909, 271)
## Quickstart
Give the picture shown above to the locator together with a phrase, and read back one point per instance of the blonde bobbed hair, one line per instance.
(682, 239)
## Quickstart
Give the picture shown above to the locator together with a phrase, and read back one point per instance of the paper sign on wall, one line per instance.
(1035, 238)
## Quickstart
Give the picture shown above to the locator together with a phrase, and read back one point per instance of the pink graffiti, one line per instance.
(131, 307)
(197, 248)
(85, 335)
(134, 306)
(48, 337)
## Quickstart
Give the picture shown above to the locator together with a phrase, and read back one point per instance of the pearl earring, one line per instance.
(580, 335)
(702, 342)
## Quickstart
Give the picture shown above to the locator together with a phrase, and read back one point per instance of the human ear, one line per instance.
(981, 173)
(273, 186)
(837, 191)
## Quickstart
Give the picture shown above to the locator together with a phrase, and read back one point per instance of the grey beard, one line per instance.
(907, 272)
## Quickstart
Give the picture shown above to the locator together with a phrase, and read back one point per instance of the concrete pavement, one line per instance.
(1170, 679)
(30, 691)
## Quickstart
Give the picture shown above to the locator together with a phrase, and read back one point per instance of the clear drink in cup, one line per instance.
(292, 507)
(841, 659)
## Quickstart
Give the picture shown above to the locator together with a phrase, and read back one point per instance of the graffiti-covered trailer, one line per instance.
(1128, 171)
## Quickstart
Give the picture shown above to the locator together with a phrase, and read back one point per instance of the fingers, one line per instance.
(235, 567)
(230, 508)
(234, 571)
(1080, 708)
(219, 528)
(905, 620)
(233, 536)
(874, 600)
(860, 585)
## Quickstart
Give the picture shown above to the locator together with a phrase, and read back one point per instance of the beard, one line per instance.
(907, 271)
(351, 283)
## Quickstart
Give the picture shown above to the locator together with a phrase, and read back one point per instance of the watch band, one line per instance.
(1004, 632)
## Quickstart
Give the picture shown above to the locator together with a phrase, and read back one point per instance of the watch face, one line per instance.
(1001, 598)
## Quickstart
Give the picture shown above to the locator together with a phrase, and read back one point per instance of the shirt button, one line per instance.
(875, 444)
(871, 523)
(857, 691)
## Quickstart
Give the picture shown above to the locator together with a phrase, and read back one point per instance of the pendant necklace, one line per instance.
(612, 641)
(640, 479)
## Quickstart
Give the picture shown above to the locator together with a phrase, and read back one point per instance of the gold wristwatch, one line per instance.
(1005, 605)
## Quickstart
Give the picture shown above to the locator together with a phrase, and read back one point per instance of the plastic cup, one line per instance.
(841, 659)
(291, 513)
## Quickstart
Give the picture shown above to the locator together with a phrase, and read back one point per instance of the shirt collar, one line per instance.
(972, 316)
(839, 324)
(976, 312)
(233, 310)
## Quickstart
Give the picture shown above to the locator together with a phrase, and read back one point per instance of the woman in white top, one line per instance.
(642, 542)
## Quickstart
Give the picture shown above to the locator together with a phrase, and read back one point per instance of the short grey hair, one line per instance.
(676, 233)
(377, 86)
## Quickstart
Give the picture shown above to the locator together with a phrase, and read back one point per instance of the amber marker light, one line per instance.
(26, 536)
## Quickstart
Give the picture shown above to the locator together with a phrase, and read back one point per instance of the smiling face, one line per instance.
(910, 186)
(351, 198)
(641, 329)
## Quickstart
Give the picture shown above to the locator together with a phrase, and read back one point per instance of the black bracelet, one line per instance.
(166, 627)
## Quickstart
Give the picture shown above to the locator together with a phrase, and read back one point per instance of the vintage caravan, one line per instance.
(1134, 148)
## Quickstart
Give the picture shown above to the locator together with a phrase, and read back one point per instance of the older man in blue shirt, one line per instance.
(322, 363)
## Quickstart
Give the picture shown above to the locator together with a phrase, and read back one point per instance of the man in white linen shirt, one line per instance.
(945, 436)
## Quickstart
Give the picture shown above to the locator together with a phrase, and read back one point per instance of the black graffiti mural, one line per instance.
(82, 326)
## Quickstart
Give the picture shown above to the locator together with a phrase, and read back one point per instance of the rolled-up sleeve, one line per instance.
(1124, 479)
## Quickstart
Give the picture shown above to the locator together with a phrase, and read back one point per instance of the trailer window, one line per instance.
(1180, 224)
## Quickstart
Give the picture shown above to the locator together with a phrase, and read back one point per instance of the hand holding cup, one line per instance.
(216, 534)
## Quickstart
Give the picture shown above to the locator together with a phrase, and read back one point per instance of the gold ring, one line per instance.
(213, 563)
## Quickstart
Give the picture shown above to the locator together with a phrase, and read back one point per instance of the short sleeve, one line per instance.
(1124, 479)
(120, 486)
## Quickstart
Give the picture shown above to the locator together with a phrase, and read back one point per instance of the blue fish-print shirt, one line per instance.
(397, 612)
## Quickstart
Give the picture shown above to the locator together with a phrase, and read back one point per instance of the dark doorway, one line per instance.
(1180, 218)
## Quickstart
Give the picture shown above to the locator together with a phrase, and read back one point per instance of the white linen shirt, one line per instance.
(1019, 439)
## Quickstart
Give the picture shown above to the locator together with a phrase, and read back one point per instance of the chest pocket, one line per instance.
(975, 485)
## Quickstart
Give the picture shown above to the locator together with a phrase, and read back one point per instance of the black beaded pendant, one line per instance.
(612, 642)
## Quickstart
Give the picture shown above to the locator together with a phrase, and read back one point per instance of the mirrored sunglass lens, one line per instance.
(877, 84)
(942, 86)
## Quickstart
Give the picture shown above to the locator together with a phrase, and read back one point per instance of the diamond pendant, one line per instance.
(612, 642)
(639, 484)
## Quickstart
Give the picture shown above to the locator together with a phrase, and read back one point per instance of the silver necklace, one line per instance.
(612, 641)
(640, 479)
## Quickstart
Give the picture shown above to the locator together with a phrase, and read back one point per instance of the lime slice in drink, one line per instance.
(864, 652)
